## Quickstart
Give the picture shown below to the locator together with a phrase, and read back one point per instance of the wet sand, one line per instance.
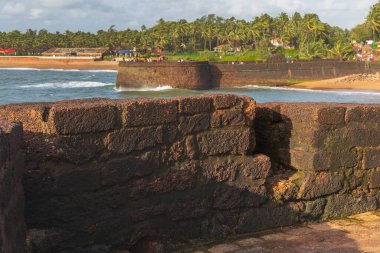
(338, 84)
(58, 63)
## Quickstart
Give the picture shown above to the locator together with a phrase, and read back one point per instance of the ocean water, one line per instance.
(34, 85)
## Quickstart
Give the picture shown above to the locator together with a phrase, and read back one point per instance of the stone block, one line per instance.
(222, 142)
(194, 124)
(249, 108)
(314, 209)
(232, 117)
(83, 118)
(363, 114)
(219, 170)
(78, 149)
(321, 184)
(193, 105)
(32, 115)
(149, 112)
(331, 115)
(258, 219)
(256, 167)
(344, 205)
(76, 181)
(12, 224)
(307, 113)
(177, 179)
(120, 170)
(224, 101)
(363, 137)
(375, 180)
(126, 140)
(371, 158)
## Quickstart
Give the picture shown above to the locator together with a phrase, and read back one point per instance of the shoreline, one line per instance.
(67, 64)
(338, 84)
(90, 64)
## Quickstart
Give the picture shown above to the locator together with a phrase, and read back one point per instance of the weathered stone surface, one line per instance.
(12, 224)
(256, 167)
(83, 118)
(165, 175)
(32, 115)
(322, 184)
(344, 205)
(332, 115)
(176, 180)
(219, 142)
(375, 180)
(76, 180)
(120, 170)
(78, 149)
(192, 105)
(282, 188)
(363, 114)
(363, 137)
(267, 217)
(232, 117)
(314, 209)
(219, 170)
(224, 101)
(194, 124)
(127, 140)
(149, 112)
(371, 158)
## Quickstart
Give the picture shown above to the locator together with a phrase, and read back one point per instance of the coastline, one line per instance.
(39, 63)
(338, 84)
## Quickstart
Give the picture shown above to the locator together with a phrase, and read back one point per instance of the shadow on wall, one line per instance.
(150, 175)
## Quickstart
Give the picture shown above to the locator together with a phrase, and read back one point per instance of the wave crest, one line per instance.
(159, 88)
(72, 84)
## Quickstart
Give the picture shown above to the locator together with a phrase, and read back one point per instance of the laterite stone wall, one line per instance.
(151, 175)
(12, 226)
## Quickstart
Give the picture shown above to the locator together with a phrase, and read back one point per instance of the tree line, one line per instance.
(307, 34)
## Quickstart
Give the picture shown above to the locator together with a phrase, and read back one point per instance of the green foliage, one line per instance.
(307, 35)
(342, 50)
(373, 20)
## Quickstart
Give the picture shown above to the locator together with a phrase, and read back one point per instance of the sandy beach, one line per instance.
(340, 83)
(58, 63)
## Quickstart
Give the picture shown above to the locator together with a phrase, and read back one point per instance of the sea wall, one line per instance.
(331, 153)
(193, 75)
(186, 75)
(150, 175)
(228, 75)
(12, 226)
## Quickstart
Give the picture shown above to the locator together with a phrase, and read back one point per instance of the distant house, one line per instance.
(80, 52)
(229, 49)
(7, 51)
(277, 42)
(218, 49)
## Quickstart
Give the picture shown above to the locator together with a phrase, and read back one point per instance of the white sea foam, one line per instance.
(72, 84)
(159, 88)
(339, 92)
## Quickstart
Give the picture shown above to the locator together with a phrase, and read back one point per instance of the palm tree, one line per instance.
(373, 20)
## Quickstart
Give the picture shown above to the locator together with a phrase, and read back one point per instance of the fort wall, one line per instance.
(203, 75)
(12, 226)
(149, 175)
(186, 75)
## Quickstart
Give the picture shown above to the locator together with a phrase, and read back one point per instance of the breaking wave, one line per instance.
(159, 88)
(68, 85)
